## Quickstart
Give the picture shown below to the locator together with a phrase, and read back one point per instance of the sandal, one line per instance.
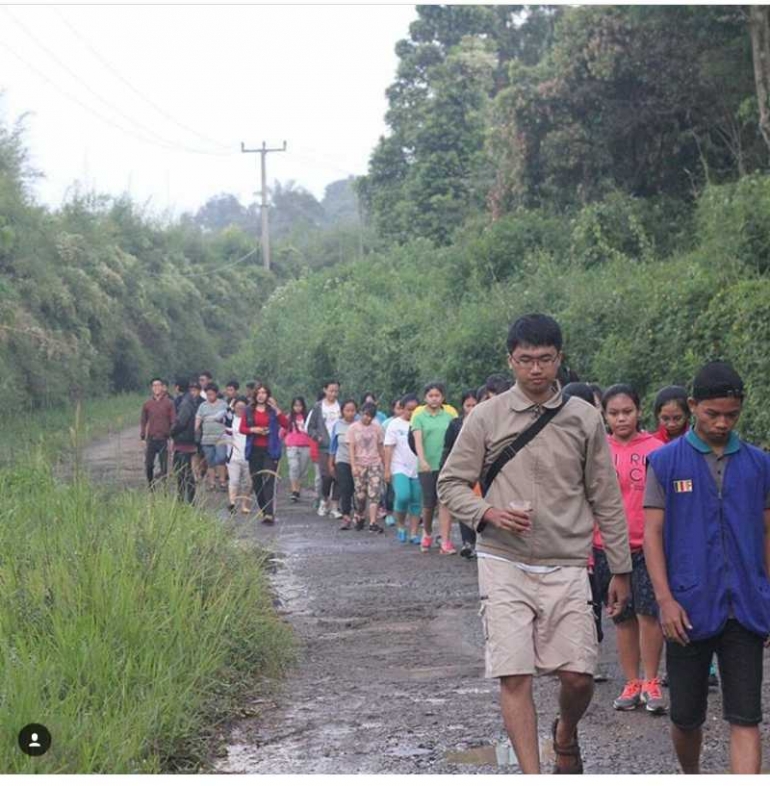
(572, 750)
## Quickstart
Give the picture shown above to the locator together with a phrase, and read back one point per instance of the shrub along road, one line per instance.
(390, 669)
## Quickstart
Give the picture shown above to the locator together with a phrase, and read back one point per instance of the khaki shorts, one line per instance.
(536, 623)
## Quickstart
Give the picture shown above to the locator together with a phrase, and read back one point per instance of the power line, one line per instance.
(142, 136)
(130, 86)
(205, 272)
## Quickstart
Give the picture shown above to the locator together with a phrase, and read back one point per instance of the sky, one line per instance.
(156, 100)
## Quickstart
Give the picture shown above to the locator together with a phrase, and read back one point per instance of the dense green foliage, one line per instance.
(629, 312)
(128, 624)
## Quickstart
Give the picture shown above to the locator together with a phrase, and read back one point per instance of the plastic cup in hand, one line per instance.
(522, 506)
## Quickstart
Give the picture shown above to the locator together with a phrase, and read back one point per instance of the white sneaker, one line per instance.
(322, 509)
(335, 514)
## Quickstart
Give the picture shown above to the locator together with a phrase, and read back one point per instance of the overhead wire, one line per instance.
(160, 142)
(204, 272)
(140, 94)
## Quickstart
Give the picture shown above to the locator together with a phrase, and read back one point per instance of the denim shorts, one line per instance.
(215, 455)
(642, 599)
(739, 653)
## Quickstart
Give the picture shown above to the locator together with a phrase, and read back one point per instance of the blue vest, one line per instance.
(273, 438)
(715, 543)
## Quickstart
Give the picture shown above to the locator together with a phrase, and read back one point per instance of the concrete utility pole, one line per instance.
(263, 151)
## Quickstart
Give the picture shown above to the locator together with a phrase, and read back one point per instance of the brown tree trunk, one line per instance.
(759, 29)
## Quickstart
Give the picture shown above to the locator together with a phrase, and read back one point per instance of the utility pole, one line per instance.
(263, 151)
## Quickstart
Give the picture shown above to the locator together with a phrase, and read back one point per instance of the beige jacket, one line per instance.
(566, 472)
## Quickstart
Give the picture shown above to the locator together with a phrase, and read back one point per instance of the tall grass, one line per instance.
(124, 621)
(57, 431)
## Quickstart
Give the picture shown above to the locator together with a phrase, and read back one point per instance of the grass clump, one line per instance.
(127, 620)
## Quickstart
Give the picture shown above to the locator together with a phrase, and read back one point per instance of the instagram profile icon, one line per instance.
(35, 739)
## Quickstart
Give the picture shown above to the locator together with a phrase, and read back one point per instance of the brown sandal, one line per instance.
(572, 750)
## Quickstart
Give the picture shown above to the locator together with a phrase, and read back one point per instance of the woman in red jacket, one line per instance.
(262, 425)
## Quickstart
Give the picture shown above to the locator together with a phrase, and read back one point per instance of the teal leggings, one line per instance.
(408, 495)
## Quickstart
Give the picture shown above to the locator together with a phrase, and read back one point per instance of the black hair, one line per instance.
(409, 397)
(580, 390)
(212, 386)
(620, 389)
(293, 414)
(331, 382)
(193, 383)
(369, 409)
(481, 393)
(262, 386)
(434, 385)
(468, 394)
(535, 330)
(348, 401)
(717, 379)
(597, 389)
(395, 402)
(156, 379)
(233, 383)
(319, 396)
(181, 383)
(673, 394)
(206, 374)
(498, 383)
(242, 399)
(251, 385)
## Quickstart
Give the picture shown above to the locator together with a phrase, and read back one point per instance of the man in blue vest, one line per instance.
(707, 547)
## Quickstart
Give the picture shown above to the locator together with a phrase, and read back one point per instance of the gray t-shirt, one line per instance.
(343, 451)
(212, 421)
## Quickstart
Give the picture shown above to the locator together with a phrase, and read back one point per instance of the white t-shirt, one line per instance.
(331, 414)
(238, 441)
(403, 462)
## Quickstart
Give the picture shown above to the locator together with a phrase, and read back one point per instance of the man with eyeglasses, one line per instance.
(535, 526)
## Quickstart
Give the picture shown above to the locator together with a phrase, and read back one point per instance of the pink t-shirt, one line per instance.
(366, 442)
(296, 436)
(631, 466)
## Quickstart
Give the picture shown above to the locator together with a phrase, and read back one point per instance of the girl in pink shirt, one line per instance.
(298, 445)
(639, 636)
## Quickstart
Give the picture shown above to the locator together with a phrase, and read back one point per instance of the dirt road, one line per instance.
(390, 674)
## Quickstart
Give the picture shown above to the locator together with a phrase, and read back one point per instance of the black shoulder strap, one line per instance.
(526, 436)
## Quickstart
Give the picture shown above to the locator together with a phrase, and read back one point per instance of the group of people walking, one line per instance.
(567, 503)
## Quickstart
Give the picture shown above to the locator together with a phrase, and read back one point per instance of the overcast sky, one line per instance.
(120, 98)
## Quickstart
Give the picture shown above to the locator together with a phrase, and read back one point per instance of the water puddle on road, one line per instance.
(498, 755)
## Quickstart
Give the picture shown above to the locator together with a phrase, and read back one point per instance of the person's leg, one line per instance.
(741, 654)
(149, 460)
(628, 648)
(687, 745)
(445, 527)
(359, 494)
(373, 492)
(428, 501)
(401, 492)
(650, 645)
(163, 459)
(345, 479)
(177, 467)
(575, 695)
(234, 484)
(745, 750)
(688, 673)
(268, 486)
(256, 465)
(518, 708)
(415, 506)
(292, 458)
(245, 489)
(303, 455)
